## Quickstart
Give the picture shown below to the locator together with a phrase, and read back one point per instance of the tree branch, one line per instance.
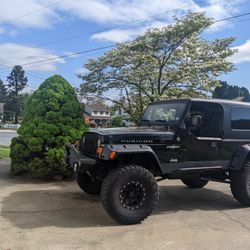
(165, 87)
(132, 83)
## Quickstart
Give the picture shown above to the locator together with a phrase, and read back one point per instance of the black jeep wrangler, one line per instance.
(195, 140)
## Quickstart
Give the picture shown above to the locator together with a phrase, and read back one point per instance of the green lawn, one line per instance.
(4, 151)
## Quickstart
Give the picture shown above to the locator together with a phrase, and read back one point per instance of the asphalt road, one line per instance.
(6, 136)
(57, 215)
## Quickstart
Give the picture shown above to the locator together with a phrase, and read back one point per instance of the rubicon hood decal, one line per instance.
(136, 140)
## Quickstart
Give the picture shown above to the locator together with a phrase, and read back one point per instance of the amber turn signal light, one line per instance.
(99, 150)
(112, 155)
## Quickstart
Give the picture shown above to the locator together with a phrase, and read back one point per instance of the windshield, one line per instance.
(165, 112)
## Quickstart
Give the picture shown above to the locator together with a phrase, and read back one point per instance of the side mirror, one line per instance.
(196, 121)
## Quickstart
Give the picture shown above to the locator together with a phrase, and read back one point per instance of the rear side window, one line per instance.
(240, 118)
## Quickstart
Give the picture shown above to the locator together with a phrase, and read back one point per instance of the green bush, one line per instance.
(117, 121)
(52, 117)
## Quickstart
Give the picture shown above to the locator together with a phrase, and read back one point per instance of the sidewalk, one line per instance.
(2, 130)
(6, 135)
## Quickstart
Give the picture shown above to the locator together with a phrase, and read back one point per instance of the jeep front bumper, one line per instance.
(75, 159)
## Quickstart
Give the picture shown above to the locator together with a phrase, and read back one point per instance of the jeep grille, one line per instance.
(90, 145)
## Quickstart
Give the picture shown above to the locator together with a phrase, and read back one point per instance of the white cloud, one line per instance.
(115, 12)
(43, 13)
(138, 15)
(106, 11)
(13, 54)
(152, 11)
(117, 35)
(28, 13)
(243, 54)
(71, 54)
(220, 9)
(123, 35)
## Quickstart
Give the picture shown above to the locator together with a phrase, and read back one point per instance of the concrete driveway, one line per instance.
(6, 136)
(57, 215)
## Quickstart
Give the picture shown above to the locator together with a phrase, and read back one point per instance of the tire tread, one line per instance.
(111, 179)
(238, 184)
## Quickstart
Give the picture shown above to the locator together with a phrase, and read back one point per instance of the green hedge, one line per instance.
(52, 117)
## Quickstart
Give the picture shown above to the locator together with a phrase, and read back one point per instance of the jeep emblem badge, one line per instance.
(173, 160)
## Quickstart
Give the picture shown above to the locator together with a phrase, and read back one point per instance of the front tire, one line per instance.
(88, 184)
(240, 184)
(194, 182)
(129, 194)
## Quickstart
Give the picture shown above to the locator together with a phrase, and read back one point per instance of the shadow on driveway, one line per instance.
(64, 208)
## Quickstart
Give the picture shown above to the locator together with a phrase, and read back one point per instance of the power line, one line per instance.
(31, 12)
(232, 17)
(38, 75)
(233, 22)
(110, 46)
(28, 72)
(27, 14)
(103, 30)
(65, 56)
(80, 56)
(32, 74)
(115, 26)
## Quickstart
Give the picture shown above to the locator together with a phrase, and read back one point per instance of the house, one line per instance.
(126, 118)
(121, 112)
(1, 111)
(97, 114)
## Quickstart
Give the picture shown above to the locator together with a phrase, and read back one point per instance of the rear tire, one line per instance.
(240, 184)
(194, 182)
(88, 184)
(129, 194)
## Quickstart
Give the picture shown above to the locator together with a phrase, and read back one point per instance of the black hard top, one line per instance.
(223, 102)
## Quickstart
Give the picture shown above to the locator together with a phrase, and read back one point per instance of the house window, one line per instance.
(240, 118)
(95, 112)
(107, 113)
(101, 112)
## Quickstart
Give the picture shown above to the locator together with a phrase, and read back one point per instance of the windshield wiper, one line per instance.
(166, 123)
(160, 121)
(146, 121)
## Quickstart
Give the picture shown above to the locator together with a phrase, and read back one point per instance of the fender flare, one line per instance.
(240, 157)
(129, 149)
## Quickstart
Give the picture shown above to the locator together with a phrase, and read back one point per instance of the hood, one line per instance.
(134, 135)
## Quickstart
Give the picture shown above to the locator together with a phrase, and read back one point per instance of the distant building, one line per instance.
(121, 112)
(126, 118)
(97, 114)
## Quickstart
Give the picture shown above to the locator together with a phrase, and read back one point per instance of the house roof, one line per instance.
(96, 108)
(1, 107)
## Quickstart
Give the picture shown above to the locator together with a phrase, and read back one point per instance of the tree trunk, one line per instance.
(16, 118)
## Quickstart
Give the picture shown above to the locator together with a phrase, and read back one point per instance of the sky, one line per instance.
(37, 30)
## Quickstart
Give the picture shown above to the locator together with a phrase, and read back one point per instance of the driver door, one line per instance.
(203, 141)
